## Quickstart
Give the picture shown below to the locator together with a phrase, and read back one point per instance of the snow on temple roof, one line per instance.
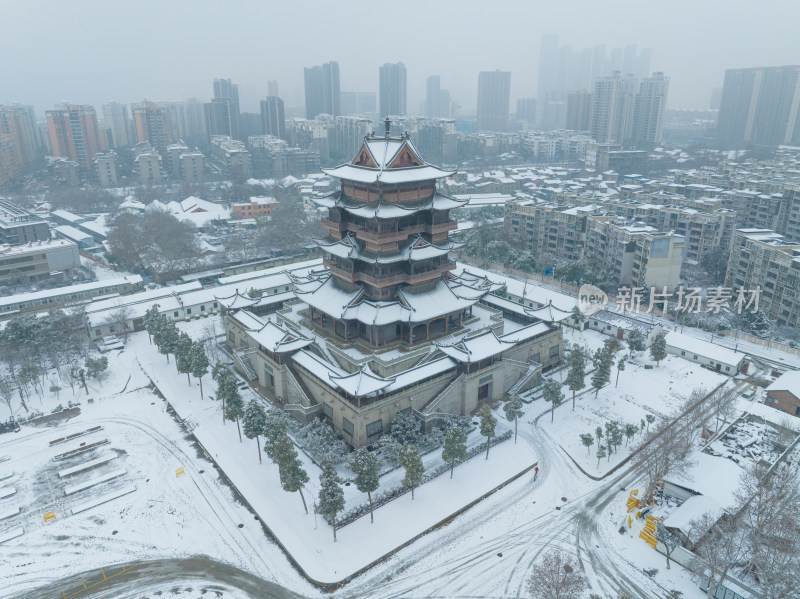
(525, 333)
(383, 209)
(361, 174)
(475, 349)
(278, 339)
(549, 313)
(362, 382)
(416, 248)
(236, 300)
(412, 306)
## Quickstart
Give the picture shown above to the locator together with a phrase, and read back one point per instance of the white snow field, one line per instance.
(486, 552)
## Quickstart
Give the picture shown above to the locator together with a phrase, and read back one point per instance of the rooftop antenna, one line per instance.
(387, 123)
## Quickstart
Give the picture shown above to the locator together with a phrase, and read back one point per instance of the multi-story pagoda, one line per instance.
(388, 250)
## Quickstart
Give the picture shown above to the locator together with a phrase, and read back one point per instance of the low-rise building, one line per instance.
(257, 207)
(712, 356)
(38, 260)
(784, 393)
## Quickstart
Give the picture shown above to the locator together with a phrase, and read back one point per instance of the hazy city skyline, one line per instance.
(101, 53)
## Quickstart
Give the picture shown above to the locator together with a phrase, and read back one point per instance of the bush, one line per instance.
(320, 441)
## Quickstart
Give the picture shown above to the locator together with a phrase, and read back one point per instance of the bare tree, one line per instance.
(719, 544)
(556, 577)
(664, 451)
(119, 320)
(668, 539)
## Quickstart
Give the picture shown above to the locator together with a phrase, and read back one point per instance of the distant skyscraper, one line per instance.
(548, 58)
(19, 123)
(273, 121)
(437, 100)
(223, 118)
(494, 91)
(760, 106)
(716, 98)
(392, 89)
(115, 118)
(272, 88)
(359, 103)
(186, 119)
(579, 110)
(612, 109)
(526, 109)
(150, 122)
(648, 112)
(74, 134)
(322, 90)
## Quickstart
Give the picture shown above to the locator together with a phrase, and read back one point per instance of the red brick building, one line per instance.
(784, 393)
(257, 207)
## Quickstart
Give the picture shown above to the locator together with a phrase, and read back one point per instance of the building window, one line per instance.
(215, 304)
(727, 368)
(202, 308)
(347, 427)
(267, 367)
(374, 428)
(188, 310)
(327, 411)
(554, 351)
(231, 337)
(485, 379)
(175, 314)
(695, 356)
(683, 353)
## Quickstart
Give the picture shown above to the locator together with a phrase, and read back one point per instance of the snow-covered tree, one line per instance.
(320, 440)
(488, 424)
(556, 576)
(552, 393)
(620, 368)
(661, 453)
(254, 423)
(630, 430)
(96, 367)
(183, 355)
(405, 428)
(274, 427)
(151, 321)
(658, 349)
(331, 495)
(650, 420)
(366, 466)
(455, 447)
(668, 539)
(587, 440)
(600, 453)
(412, 463)
(719, 544)
(513, 410)
(166, 337)
(293, 475)
(636, 342)
(602, 360)
(199, 363)
(576, 375)
(234, 408)
(226, 385)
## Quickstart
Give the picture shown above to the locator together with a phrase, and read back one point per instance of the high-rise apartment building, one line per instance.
(322, 90)
(579, 110)
(19, 123)
(115, 119)
(526, 109)
(186, 119)
(151, 124)
(437, 100)
(273, 121)
(272, 88)
(392, 89)
(494, 92)
(359, 104)
(760, 106)
(648, 111)
(74, 134)
(105, 165)
(613, 104)
(224, 114)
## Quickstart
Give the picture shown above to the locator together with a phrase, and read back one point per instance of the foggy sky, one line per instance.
(89, 52)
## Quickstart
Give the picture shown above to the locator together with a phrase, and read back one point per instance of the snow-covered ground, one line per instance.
(486, 552)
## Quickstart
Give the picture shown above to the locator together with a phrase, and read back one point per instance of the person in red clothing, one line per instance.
(535, 472)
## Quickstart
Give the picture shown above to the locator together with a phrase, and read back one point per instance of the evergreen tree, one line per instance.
(150, 321)
(293, 475)
(166, 337)
(598, 433)
(255, 421)
(602, 361)
(331, 496)
(650, 420)
(274, 428)
(552, 393)
(620, 368)
(488, 424)
(366, 466)
(95, 367)
(226, 385)
(234, 407)
(636, 342)
(630, 430)
(658, 349)
(576, 376)
(600, 453)
(587, 440)
(183, 355)
(513, 410)
(454, 448)
(412, 462)
(199, 363)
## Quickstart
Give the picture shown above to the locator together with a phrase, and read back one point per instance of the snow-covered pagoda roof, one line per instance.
(476, 348)
(416, 248)
(389, 160)
(549, 313)
(361, 383)
(237, 300)
(414, 306)
(381, 208)
(270, 335)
